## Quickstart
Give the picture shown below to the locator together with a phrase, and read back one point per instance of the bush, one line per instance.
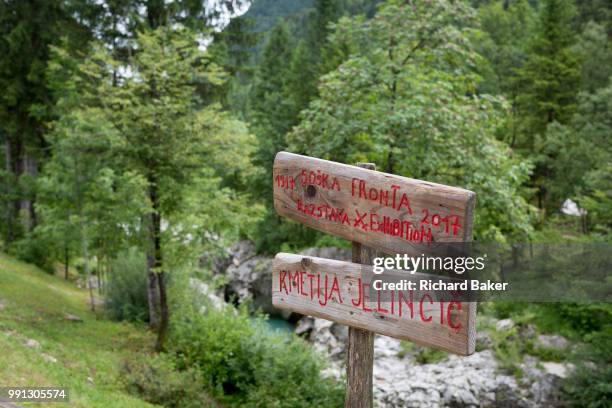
(36, 249)
(157, 380)
(247, 365)
(590, 385)
(586, 318)
(126, 290)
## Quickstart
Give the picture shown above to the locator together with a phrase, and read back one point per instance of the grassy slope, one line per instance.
(34, 307)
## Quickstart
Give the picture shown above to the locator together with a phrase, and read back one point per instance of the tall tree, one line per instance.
(508, 26)
(157, 132)
(27, 28)
(405, 99)
(551, 73)
(550, 78)
(272, 111)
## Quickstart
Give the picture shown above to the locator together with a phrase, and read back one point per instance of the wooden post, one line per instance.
(360, 353)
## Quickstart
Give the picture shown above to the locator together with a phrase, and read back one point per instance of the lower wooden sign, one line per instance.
(341, 291)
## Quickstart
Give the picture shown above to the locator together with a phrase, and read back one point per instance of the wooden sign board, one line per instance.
(338, 291)
(390, 213)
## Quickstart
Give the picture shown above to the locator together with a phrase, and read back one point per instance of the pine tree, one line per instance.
(272, 112)
(27, 28)
(550, 78)
(552, 71)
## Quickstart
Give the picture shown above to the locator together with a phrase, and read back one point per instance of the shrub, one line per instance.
(586, 318)
(247, 365)
(428, 355)
(157, 380)
(36, 249)
(590, 385)
(126, 290)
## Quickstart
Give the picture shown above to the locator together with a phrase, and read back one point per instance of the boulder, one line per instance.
(561, 370)
(248, 274)
(72, 318)
(251, 279)
(552, 342)
(527, 331)
(33, 344)
(544, 379)
(48, 358)
(305, 326)
(483, 340)
(473, 381)
(504, 325)
(209, 296)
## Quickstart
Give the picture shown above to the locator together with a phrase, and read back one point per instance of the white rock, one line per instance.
(304, 326)
(553, 342)
(557, 369)
(504, 325)
(202, 288)
(48, 358)
(31, 343)
(72, 318)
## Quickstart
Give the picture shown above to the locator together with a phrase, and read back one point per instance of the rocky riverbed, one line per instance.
(401, 379)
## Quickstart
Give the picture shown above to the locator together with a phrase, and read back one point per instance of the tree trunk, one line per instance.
(85, 248)
(153, 293)
(30, 167)
(165, 314)
(98, 276)
(14, 166)
(156, 273)
(66, 261)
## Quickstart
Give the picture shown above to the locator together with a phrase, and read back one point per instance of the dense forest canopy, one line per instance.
(154, 124)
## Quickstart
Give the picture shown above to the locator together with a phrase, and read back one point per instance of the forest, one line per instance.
(138, 139)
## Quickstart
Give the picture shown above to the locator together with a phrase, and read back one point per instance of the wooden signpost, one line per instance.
(389, 213)
(341, 291)
(377, 211)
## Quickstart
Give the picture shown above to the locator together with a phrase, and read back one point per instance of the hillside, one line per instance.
(41, 347)
(266, 13)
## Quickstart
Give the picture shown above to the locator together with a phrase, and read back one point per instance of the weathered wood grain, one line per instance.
(390, 213)
(298, 284)
(360, 344)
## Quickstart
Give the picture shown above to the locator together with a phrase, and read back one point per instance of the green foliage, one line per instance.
(247, 365)
(126, 289)
(430, 356)
(405, 348)
(548, 81)
(156, 379)
(35, 307)
(509, 351)
(507, 27)
(138, 141)
(404, 100)
(590, 385)
(37, 249)
(595, 51)
(586, 318)
(27, 29)
(422, 355)
(551, 72)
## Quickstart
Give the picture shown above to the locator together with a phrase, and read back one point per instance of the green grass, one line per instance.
(34, 308)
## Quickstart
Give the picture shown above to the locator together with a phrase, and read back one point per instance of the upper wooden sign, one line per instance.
(347, 293)
(390, 213)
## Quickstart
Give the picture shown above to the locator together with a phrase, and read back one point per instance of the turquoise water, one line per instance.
(279, 325)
